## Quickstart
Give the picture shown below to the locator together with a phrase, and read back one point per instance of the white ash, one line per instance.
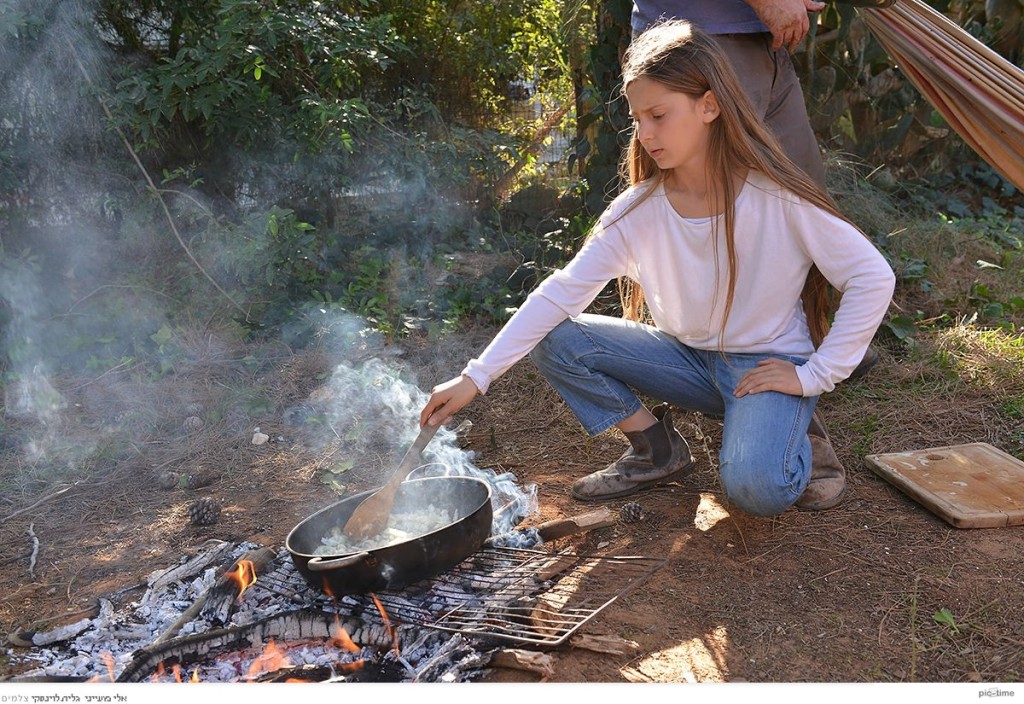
(109, 641)
(399, 529)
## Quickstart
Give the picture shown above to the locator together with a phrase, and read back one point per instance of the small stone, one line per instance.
(259, 438)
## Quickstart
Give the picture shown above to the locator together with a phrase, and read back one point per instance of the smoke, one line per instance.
(372, 404)
(90, 288)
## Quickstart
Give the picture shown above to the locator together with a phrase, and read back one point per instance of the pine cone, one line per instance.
(631, 512)
(204, 512)
(201, 478)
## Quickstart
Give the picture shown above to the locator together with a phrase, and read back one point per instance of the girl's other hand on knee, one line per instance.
(770, 375)
(447, 399)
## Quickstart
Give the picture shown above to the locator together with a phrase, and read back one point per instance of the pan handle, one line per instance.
(318, 564)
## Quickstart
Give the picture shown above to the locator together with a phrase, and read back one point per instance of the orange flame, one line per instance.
(341, 638)
(108, 660)
(244, 575)
(272, 658)
(387, 622)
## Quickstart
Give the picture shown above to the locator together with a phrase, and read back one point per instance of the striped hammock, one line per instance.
(977, 91)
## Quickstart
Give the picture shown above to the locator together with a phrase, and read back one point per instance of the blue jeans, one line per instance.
(600, 364)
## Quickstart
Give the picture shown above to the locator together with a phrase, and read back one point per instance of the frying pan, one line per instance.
(393, 566)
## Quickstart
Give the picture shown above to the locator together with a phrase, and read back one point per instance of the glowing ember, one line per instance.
(244, 575)
(176, 669)
(272, 658)
(341, 638)
(108, 659)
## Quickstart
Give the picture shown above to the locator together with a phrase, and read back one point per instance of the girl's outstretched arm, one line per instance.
(447, 399)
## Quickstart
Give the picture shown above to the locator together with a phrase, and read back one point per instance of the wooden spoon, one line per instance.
(371, 515)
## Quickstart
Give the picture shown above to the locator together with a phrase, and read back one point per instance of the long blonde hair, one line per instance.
(685, 60)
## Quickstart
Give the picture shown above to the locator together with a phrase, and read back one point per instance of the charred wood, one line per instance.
(302, 673)
(556, 528)
(30, 638)
(223, 585)
(216, 552)
(186, 649)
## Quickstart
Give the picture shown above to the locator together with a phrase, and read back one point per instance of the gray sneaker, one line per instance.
(635, 470)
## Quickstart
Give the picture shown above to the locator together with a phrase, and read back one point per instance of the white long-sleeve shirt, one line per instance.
(684, 272)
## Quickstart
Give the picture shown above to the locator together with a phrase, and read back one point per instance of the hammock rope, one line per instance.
(978, 92)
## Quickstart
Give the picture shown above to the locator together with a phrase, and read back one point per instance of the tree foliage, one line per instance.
(253, 73)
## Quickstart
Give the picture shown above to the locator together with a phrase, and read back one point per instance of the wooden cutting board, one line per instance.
(969, 486)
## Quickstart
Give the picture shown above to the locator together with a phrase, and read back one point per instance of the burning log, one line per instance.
(305, 627)
(226, 585)
(301, 624)
(221, 603)
(302, 673)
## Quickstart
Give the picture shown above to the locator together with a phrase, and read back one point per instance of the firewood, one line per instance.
(564, 527)
(218, 550)
(27, 638)
(300, 673)
(259, 557)
(56, 635)
(224, 594)
(542, 664)
(605, 644)
(300, 624)
(545, 616)
(555, 566)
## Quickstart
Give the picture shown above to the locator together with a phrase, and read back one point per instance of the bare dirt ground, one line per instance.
(877, 589)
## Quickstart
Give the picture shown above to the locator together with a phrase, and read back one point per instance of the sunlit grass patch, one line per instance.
(993, 357)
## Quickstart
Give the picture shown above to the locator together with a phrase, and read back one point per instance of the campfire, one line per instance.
(245, 613)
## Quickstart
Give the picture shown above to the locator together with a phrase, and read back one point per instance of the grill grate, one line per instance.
(518, 595)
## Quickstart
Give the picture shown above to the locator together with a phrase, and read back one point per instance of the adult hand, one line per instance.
(786, 19)
(446, 399)
(770, 375)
